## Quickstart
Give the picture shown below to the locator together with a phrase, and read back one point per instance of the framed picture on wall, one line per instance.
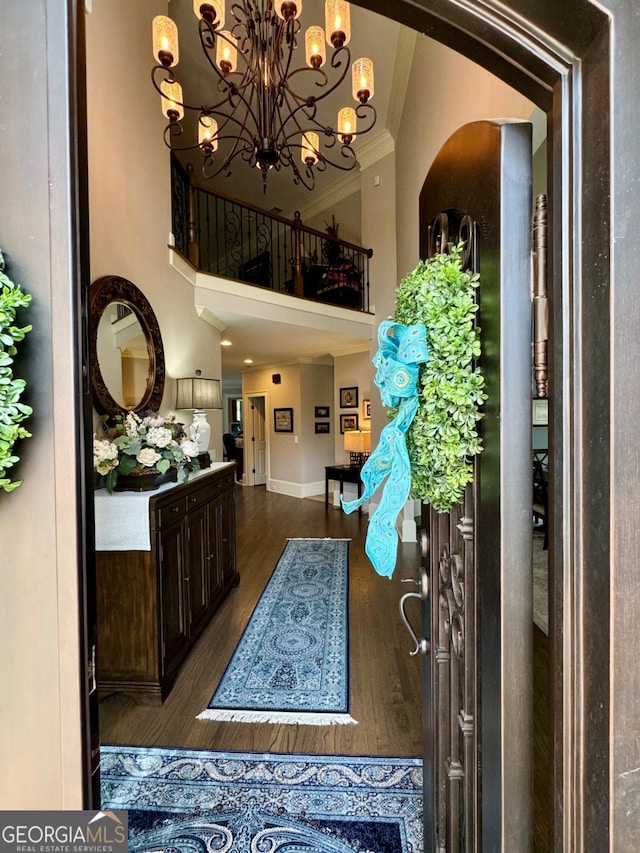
(366, 410)
(540, 412)
(348, 398)
(283, 420)
(348, 422)
(323, 428)
(321, 411)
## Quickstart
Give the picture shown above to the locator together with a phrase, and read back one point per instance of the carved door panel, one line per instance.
(477, 610)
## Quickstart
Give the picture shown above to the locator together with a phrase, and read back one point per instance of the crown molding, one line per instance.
(368, 153)
(352, 350)
(375, 149)
(326, 199)
(209, 317)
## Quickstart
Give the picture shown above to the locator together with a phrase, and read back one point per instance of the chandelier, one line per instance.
(261, 112)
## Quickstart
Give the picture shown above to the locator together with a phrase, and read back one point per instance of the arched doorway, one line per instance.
(563, 57)
(541, 88)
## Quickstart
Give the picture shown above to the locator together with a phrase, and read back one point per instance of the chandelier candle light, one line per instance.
(255, 113)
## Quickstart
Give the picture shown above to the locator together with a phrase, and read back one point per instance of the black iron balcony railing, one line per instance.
(226, 237)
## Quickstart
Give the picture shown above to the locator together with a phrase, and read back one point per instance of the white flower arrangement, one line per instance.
(138, 445)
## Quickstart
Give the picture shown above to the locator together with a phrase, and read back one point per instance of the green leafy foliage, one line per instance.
(442, 438)
(12, 411)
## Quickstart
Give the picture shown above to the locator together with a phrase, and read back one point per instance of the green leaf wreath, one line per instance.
(12, 411)
(442, 438)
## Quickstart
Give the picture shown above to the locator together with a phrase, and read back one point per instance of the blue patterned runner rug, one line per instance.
(292, 662)
(191, 800)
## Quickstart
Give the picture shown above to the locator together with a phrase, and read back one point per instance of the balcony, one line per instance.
(224, 237)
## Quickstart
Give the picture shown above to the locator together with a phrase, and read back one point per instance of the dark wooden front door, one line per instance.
(477, 601)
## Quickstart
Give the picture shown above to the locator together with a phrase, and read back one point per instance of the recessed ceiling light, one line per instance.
(225, 343)
(248, 361)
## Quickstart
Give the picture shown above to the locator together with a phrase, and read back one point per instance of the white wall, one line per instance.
(297, 459)
(347, 213)
(316, 390)
(129, 190)
(350, 371)
(432, 112)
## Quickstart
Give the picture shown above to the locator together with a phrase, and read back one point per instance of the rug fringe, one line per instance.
(303, 719)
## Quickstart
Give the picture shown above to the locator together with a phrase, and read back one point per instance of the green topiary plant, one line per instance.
(12, 412)
(442, 438)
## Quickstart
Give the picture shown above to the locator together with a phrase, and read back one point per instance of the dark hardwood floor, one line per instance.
(385, 679)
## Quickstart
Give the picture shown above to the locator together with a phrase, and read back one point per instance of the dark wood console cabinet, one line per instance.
(153, 605)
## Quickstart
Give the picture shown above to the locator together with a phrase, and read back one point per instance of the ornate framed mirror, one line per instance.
(125, 349)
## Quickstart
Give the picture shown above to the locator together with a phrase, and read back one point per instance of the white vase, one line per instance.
(201, 431)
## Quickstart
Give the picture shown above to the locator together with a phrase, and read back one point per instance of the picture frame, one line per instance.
(366, 410)
(321, 411)
(540, 412)
(283, 420)
(348, 422)
(323, 427)
(349, 398)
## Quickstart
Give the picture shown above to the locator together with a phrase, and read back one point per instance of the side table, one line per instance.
(343, 474)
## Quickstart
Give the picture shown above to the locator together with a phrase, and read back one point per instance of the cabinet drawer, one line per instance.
(169, 512)
(211, 490)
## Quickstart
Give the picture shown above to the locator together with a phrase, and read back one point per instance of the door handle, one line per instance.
(422, 645)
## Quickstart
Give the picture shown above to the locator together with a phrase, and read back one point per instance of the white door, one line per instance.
(256, 454)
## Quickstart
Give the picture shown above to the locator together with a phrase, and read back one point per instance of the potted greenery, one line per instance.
(12, 411)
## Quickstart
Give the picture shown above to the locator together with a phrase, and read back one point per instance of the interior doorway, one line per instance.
(255, 441)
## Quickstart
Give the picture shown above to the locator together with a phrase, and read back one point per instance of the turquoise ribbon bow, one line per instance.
(401, 349)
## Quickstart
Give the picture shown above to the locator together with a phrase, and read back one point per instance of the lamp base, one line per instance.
(357, 460)
(204, 460)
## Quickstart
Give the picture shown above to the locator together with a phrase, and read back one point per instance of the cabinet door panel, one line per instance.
(198, 566)
(173, 609)
(227, 540)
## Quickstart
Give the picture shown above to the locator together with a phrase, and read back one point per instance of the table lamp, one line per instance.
(198, 393)
(358, 443)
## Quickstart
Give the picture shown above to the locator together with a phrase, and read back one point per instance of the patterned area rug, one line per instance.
(189, 801)
(292, 662)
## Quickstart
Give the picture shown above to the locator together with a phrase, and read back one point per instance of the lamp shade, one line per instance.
(196, 392)
(357, 441)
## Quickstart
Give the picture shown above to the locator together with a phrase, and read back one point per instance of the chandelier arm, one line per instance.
(235, 7)
(224, 120)
(283, 73)
(361, 112)
(309, 116)
(291, 46)
(232, 89)
(336, 62)
(308, 180)
(169, 78)
(225, 163)
(206, 30)
(283, 135)
(319, 83)
(321, 165)
(174, 129)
